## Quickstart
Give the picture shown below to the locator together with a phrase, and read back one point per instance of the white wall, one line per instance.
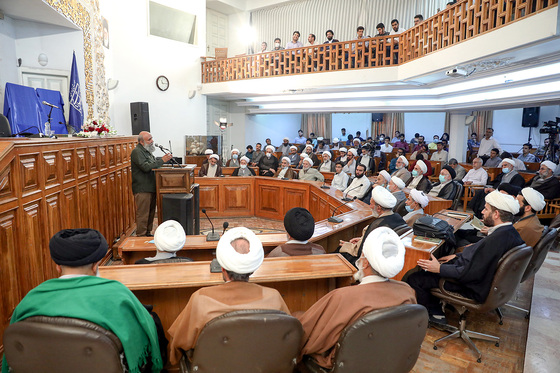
(352, 122)
(137, 59)
(427, 124)
(238, 38)
(8, 57)
(274, 126)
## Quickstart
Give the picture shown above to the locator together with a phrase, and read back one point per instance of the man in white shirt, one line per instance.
(343, 136)
(310, 40)
(439, 155)
(477, 175)
(360, 184)
(264, 47)
(487, 144)
(300, 139)
(387, 147)
(396, 29)
(340, 179)
(295, 43)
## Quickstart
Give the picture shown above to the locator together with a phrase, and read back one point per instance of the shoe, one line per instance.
(438, 319)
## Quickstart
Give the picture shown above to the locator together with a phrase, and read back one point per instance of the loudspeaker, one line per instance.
(377, 117)
(179, 207)
(530, 117)
(140, 117)
(5, 129)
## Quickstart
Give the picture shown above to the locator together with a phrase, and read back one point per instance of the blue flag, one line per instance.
(76, 116)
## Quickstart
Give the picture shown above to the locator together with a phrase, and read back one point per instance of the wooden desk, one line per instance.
(301, 280)
(436, 204)
(170, 180)
(226, 171)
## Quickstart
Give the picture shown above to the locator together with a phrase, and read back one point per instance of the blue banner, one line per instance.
(76, 116)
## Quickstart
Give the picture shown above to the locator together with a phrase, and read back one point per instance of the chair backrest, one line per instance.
(389, 339)
(367, 197)
(401, 229)
(540, 252)
(63, 345)
(220, 53)
(248, 341)
(400, 209)
(458, 194)
(508, 275)
(5, 129)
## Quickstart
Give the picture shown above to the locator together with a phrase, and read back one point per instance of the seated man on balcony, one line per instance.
(395, 31)
(239, 253)
(80, 293)
(545, 182)
(269, 163)
(300, 226)
(477, 175)
(526, 156)
(418, 19)
(381, 30)
(382, 258)
(212, 168)
(330, 37)
(308, 172)
(277, 45)
(264, 47)
(295, 43)
(311, 40)
(360, 35)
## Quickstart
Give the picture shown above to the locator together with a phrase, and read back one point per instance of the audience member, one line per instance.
(383, 179)
(460, 171)
(529, 226)
(243, 169)
(381, 30)
(330, 37)
(321, 146)
(419, 179)
(264, 47)
(494, 160)
(396, 186)
(343, 137)
(386, 147)
(311, 40)
(342, 155)
(285, 171)
(293, 156)
(477, 175)
(327, 165)
(300, 139)
(445, 187)
(433, 144)
(419, 143)
(382, 258)
(359, 185)
(239, 253)
(308, 172)
(295, 43)
(487, 144)
(415, 204)
(473, 269)
(526, 156)
(396, 138)
(350, 166)
(421, 149)
(402, 143)
(212, 168)
(249, 153)
(418, 19)
(401, 171)
(519, 165)
(473, 142)
(284, 147)
(258, 154)
(299, 225)
(207, 153)
(169, 238)
(334, 145)
(340, 179)
(311, 155)
(366, 159)
(545, 182)
(277, 45)
(350, 141)
(440, 154)
(80, 293)
(234, 160)
(269, 163)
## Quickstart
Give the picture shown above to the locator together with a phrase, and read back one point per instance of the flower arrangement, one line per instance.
(95, 128)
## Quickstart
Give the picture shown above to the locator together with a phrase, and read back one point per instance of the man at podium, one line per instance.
(143, 163)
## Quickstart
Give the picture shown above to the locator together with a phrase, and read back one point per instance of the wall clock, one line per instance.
(162, 83)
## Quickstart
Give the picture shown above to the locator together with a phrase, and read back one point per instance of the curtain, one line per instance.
(320, 124)
(391, 122)
(483, 120)
(447, 124)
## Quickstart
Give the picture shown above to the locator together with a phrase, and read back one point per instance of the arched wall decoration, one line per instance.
(85, 15)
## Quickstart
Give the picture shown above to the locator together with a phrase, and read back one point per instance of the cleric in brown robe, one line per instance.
(529, 226)
(300, 225)
(382, 258)
(240, 253)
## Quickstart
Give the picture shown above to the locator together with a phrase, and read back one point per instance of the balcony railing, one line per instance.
(463, 21)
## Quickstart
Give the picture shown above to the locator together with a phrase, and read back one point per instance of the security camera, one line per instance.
(456, 72)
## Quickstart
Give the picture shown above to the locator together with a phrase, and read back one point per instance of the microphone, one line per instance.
(162, 148)
(51, 105)
(226, 225)
(324, 186)
(336, 219)
(213, 236)
(349, 199)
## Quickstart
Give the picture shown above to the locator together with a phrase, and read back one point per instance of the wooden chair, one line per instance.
(549, 211)
(468, 194)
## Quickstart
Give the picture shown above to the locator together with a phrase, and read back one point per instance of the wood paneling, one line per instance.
(269, 204)
(237, 198)
(47, 185)
(210, 198)
(294, 198)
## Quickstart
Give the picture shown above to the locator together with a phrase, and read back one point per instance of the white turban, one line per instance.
(343, 150)
(404, 160)
(550, 165)
(304, 155)
(422, 165)
(246, 159)
(308, 146)
(503, 202)
(215, 156)
(510, 161)
(383, 197)
(354, 151)
(233, 261)
(419, 197)
(208, 151)
(335, 140)
(293, 147)
(270, 147)
(358, 140)
(385, 174)
(533, 198)
(319, 138)
(327, 153)
(384, 251)
(234, 150)
(308, 160)
(287, 160)
(286, 138)
(398, 182)
(170, 236)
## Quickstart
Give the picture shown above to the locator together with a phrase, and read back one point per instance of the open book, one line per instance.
(476, 223)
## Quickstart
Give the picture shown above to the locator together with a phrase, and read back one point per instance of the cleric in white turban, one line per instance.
(169, 238)
(529, 226)
(240, 253)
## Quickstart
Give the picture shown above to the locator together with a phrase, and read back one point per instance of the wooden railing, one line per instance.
(463, 21)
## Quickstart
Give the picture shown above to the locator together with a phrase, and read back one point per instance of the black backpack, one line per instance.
(428, 226)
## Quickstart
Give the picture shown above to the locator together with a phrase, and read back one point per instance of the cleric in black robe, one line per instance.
(472, 269)
(545, 182)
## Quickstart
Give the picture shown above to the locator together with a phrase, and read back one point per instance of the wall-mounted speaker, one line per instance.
(531, 117)
(140, 117)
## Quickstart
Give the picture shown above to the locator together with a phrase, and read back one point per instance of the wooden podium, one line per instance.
(171, 180)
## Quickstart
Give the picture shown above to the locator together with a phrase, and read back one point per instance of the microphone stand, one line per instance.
(48, 131)
(172, 159)
(336, 219)
(212, 236)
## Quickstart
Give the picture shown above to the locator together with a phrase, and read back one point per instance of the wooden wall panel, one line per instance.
(29, 171)
(69, 165)
(83, 203)
(269, 202)
(70, 208)
(51, 169)
(7, 182)
(210, 198)
(9, 274)
(314, 205)
(294, 198)
(93, 159)
(81, 162)
(30, 256)
(102, 157)
(237, 199)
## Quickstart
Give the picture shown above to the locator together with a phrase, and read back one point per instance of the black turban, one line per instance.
(512, 190)
(299, 224)
(77, 247)
(450, 170)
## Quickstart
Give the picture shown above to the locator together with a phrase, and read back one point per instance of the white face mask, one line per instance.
(277, 45)
(243, 166)
(268, 155)
(235, 156)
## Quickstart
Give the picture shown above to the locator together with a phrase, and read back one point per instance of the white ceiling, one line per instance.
(34, 10)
